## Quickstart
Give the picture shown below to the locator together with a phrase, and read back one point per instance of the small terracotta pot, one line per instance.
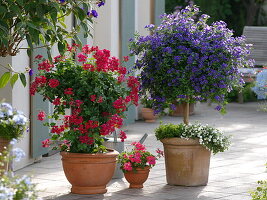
(186, 161)
(89, 173)
(4, 143)
(148, 115)
(179, 111)
(138, 177)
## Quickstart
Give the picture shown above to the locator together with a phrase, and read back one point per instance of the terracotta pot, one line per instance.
(138, 177)
(148, 115)
(3, 143)
(179, 111)
(186, 161)
(89, 173)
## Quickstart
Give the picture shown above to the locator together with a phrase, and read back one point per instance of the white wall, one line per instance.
(20, 99)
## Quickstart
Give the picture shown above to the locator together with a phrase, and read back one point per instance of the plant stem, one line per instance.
(186, 112)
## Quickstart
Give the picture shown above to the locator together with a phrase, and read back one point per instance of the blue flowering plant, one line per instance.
(13, 123)
(185, 59)
(14, 187)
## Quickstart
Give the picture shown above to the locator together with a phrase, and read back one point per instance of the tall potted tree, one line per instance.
(184, 58)
(97, 90)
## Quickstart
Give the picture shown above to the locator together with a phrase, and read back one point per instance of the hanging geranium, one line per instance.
(94, 87)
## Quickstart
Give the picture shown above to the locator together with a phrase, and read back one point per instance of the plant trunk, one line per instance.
(186, 112)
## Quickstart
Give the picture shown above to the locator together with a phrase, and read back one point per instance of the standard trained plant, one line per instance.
(188, 60)
(96, 89)
(13, 123)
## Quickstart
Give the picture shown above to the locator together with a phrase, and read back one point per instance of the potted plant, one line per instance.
(13, 123)
(147, 111)
(12, 186)
(186, 59)
(97, 90)
(197, 136)
(136, 164)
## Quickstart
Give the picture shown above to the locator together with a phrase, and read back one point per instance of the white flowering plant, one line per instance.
(211, 138)
(12, 122)
(14, 187)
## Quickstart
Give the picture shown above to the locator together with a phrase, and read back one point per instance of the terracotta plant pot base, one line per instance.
(89, 173)
(88, 190)
(148, 115)
(137, 179)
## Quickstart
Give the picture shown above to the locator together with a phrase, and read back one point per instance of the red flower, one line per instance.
(53, 83)
(100, 99)
(45, 65)
(41, 115)
(126, 58)
(151, 160)
(46, 143)
(38, 57)
(86, 140)
(57, 101)
(68, 91)
(57, 129)
(89, 66)
(86, 49)
(93, 97)
(122, 136)
(82, 57)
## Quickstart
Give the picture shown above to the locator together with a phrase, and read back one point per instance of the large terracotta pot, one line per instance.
(148, 115)
(179, 111)
(138, 177)
(89, 173)
(3, 145)
(186, 161)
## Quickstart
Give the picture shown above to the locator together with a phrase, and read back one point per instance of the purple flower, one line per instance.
(102, 3)
(218, 108)
(31, 72)
(173, 107)
(93, 13)
(62, 1)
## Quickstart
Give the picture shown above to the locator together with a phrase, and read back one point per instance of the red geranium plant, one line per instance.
(138, 157)
(94, 87)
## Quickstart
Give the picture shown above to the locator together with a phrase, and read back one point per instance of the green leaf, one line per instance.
(23, 79)
(61, 47)
(4, 79)
(14, 79)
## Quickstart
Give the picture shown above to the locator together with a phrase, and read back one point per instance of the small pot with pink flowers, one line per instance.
(137, 163)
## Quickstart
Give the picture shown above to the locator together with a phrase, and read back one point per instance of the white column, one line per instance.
(106, 27)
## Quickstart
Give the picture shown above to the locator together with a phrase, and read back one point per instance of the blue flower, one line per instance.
(93, 13)
(31, 72)
(20, 119)
(102, 3)
(18, 154)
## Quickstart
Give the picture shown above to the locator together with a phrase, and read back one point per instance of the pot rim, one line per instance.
(110, 153)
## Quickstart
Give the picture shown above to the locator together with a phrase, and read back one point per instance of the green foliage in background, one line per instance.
(236, 13)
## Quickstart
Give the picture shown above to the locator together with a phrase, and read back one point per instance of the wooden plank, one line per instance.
(257, 35)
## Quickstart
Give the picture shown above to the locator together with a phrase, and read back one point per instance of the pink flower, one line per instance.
(46, 143)
(127, 166)
(93, 97)
(159, 152)
(151, 160)
(122, 136)
(139, 146)
(53, 83)
(41, 115)
(100, 99)
(82, 57)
